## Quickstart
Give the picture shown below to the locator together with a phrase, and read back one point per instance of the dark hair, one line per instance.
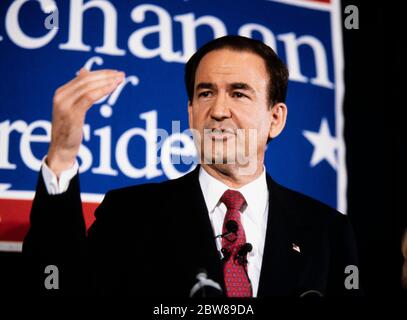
(277, 70)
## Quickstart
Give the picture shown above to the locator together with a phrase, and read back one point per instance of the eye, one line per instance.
(204, 94)
(237, 94)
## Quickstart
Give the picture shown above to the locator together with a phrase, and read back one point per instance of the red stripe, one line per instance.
(14, 218)
(323, 1)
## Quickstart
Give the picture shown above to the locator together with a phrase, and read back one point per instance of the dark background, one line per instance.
(374, 62)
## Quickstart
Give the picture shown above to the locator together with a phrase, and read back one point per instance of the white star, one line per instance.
(324, 144)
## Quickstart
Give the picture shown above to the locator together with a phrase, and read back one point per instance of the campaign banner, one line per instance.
(138, 134)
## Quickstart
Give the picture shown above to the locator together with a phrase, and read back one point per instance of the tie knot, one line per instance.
(233, 199)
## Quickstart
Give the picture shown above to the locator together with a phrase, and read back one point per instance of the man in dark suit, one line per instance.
(251, 235)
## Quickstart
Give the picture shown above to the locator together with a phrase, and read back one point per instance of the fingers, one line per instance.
(90, 96)
(86, 86)
(83, 78)
(83, 71)
(95, 84)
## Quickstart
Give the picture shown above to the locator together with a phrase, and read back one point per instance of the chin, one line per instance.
(223, 157)
(216, 160)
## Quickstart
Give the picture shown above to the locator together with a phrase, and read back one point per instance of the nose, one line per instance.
(220, 109)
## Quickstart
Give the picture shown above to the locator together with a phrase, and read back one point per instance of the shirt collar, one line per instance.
(255, 193)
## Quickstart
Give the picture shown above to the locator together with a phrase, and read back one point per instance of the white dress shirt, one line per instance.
(52, 183)
(253, 216)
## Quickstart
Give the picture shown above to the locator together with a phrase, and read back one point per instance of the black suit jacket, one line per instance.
(152, 239)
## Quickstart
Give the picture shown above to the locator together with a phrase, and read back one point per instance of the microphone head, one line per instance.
(248, 247)
(205, 287)
(226, 254)
(202, 274)
(242, 253)
(232, 226)
(311, 293)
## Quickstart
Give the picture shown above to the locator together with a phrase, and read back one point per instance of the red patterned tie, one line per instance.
(237, 283)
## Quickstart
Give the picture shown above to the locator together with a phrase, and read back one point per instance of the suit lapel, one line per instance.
(280, 262)
(202, 251)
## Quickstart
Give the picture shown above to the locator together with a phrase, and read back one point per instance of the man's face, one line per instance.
(231, 93)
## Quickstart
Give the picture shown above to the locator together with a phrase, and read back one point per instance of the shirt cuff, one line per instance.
(54, 185)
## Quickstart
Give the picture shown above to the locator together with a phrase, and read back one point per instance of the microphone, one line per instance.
(205, 287)
(241, 255)
(231, 228)
(311, 293)
(225, 254)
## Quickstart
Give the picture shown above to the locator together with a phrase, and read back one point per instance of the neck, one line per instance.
(233, 176)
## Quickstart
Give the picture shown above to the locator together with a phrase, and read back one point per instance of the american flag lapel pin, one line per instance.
(296, 248)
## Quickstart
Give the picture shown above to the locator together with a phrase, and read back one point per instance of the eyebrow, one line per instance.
(234, 85)
(242, 86)
(205, 85)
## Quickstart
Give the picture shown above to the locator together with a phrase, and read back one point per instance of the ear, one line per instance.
(190, 118)
(279, 117)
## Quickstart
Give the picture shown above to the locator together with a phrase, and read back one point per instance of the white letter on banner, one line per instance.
(17, 35)
(28, 137)
(293, 62)
(189, 25)
(84, 153)
(105, 164)
(268, 37)
(5, 130)
(164, 30)
(150, 136)
(109, 27)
